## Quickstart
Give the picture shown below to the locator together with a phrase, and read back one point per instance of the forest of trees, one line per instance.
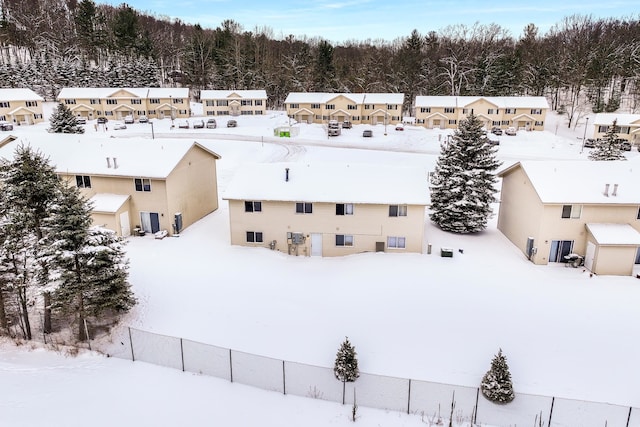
(49, 44)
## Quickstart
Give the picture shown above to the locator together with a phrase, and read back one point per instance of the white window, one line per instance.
(109, 101)
(344, 240)
(250, 206)
(368, 106)
(425, 109)
(94, 101)
(536, 111)
(304, 208)
(397, 210)
(344, 209)
(222, 103)
(142, 184)
(491, 111)
(453, 122)
(154, 101)
(315, 106)
(294, 105)
(257, 102)
(136, 102)
(352, 107)
(246, 102)
(254, 237)
(209, 102)
(394, 242)
(66, 101)
(449, 110)
(571, 211)
(258, 112)
(330, 107)
(539, 123)
(83, 181)
(32, 103)
(509, 110)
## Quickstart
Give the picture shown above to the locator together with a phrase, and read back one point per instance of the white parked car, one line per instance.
(119, 126)
(128, 119)
(143, 119)
(510, 131)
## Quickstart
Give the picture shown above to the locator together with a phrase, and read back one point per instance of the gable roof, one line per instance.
(19, 94)
(223, 94)
(108, 92)
(135, 157)
(582, 181)
(331, 183)
(498, 101)
(358, 98)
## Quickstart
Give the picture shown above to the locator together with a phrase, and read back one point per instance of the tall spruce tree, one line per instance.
(346, 366)
(608, 147)
(496, 384)
(87, 265)
(462, 186)
(63, 121)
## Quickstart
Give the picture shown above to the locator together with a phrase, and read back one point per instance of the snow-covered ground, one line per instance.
(409, 315)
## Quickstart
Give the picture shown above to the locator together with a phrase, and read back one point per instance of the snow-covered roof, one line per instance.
(223, 94)
(621, 119)
(108, 203)
(582, 182)
(614, 234)
(498, 101)
(331, 183)
(358, 98)
(19, 94)
(141, 157)
(108, 92)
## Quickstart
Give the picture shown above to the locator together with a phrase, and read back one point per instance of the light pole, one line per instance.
(153, 136)
(584, 136)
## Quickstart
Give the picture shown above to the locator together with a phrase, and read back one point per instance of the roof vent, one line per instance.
(615, 190)
(286, 176)
(108, 162)
(115, 163)
(606, 190)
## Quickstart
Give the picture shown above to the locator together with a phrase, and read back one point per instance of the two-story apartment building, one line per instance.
(327, 209)
(233, 102)
(135, 183)
(20, 106)
(359, 108)
(444, 112)
(117, 103)
(550, 209)
(627, 126)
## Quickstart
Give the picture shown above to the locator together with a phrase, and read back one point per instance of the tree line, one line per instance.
(48, 44)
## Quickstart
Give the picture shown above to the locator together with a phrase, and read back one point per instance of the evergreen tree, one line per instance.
(87, 265)
(63, 121)
(346, 367)
(462, 186)
(608, 147)
(496, 384)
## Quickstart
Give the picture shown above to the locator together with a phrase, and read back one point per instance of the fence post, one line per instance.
(409, 398)
(629, 416)
(284, 380)
(553, 399)
(182, 354)
(475, 414)
(230, 367)
(133, 358)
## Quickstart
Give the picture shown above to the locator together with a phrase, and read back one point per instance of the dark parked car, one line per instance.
(232, 124)
(102, 120)
(625, 145)
(496, 130)
(367, 133)
(493, 141)
(590, 143)
(6, 126)
(346, 124)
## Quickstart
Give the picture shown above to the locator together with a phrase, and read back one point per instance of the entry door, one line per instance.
(638, 256)
(559, 249)
(590, 255)
(125, 227)
(150, 222)
(316, 244)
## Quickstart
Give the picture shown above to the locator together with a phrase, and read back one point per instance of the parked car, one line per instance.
(143, 119)
(493, 141)
(81, 120)
(346, 124)
(119, 126)
(590, 143)
(333, 128)
(183, 124)
(211, 124)
(102, 120)
(367, 133)
(128, 119)
(496, 130)
(6, 125)
(232, 123)
(625, 145)
(510, 131)
(198, 124)
(399, 126)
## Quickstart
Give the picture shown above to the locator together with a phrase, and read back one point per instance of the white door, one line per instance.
(590, 255)
(316, 244)
(125, 226)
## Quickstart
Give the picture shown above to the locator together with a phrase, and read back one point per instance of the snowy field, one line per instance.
(417, 316)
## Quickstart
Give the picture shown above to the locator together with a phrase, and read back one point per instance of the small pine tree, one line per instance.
(496, 384)
(346, 367)
(608, 147)
(63, 121)
(462, 187)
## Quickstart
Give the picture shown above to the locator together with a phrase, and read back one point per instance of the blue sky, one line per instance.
(337, 20)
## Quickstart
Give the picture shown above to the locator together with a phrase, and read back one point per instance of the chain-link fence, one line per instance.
(428, 399)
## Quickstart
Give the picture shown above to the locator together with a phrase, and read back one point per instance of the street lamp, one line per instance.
(584, 136)
(153, 135)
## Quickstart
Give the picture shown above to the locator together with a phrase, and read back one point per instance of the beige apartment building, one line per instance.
(233, 102)
(444, 112)
(327, 209)
(627, 126)
(20, 106)
(359, 108)
(117, 103)
(135, 184)
(550, 209)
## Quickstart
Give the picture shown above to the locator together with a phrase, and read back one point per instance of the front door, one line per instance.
(316, 244)
(560, 249)
(590, 255)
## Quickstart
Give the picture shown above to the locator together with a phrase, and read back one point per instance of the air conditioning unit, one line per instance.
(297, 238)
